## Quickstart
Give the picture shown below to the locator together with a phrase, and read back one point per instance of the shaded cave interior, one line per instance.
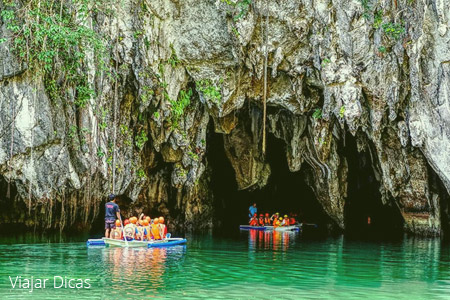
(364, 210)
(286, 192)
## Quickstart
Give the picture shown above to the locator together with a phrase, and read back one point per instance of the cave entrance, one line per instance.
(286, 192)
(364, 212)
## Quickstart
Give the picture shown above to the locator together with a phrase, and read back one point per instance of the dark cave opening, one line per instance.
(11, 208)
(364, 212)
(286, 192)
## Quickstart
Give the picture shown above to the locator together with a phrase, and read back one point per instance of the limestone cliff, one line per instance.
(378, 70)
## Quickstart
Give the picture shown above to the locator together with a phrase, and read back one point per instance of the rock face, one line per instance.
(376, 70)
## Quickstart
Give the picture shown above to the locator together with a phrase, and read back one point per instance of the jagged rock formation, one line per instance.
(379, 70)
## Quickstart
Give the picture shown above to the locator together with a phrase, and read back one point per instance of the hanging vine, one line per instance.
(266, 30)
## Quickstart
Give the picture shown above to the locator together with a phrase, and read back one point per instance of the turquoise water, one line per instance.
(251, 265)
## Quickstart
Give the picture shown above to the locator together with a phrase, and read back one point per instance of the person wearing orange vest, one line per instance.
(261, 220)
(163, 227)
(274, 217)
(155, 229)
(144, 230)
(292, 220)
(254, 220)
(285, 222)
(130, 228)
(277, 222)
(117, 232)
(267, 219)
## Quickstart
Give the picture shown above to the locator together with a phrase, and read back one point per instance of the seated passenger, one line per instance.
(144, 230)
(162, 227)
(285, 221)
(254, 220)
(116, 233)
(261, 220)
(277, 222)
(274, 217)
(267, 220)
(292, 220)
(155, 229)
(129, 231)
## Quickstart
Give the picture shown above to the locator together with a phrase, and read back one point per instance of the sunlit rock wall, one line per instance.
(333, 67)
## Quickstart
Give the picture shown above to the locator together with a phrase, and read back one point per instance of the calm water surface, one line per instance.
(252, 265)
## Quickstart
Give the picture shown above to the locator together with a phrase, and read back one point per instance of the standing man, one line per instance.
(112, 212)
(252, 210)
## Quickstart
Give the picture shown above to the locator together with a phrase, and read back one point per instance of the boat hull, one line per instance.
(248, 227)
(270, 228)
(135, 244)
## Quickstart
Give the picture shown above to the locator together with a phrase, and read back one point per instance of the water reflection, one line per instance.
(137, 269)
(250, 265)
(271, 240)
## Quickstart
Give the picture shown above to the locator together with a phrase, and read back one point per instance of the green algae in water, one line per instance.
(254, 265)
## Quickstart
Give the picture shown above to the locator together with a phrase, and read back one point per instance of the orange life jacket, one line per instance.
(253, 222)
(267, 221)
(286, 222)
(261, 221)
(292, 221)
(155, 232)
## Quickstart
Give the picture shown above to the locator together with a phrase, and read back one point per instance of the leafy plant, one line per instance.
(235, 31)
(317, 114)
(377, 19)
(140, 139)
(325, 61)
(173, 60)
(137, 34)
(393, 30)
(141, 174)
(242, 7)
(72, 131)
(146, 94)
(193, 155)
(100, 152)
(382, 49)
(51, 37)
(123, 129)
(51, 88)
(103, 125)
(84, 132)
(367, 8)
(342, 111)
(84, 93)
(209, 90)
(178, 106)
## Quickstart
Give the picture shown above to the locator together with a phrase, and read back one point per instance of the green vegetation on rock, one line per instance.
(209, 90)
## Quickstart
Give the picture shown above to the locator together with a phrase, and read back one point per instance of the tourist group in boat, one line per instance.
(275, 220)
(143, 228)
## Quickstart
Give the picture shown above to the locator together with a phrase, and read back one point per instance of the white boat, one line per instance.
(284, 228)
(159, 243)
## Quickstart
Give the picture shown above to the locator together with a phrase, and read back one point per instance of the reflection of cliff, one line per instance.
(179, 70)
